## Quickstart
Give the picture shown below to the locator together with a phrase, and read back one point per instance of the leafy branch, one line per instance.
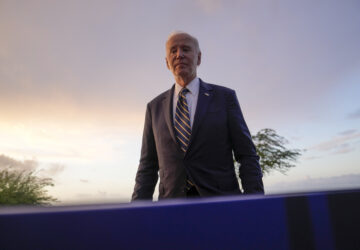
(273, 153)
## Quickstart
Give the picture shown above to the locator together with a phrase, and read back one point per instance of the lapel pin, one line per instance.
(207, 94)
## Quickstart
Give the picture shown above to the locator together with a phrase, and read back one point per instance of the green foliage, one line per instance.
(23, 188)
(273, 154)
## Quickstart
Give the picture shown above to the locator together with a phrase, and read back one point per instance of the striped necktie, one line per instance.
(183, 127)
(182, 121)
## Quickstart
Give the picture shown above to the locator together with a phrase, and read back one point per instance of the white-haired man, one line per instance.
(191, 133)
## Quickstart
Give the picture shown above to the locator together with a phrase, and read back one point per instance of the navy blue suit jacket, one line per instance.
(218, 131)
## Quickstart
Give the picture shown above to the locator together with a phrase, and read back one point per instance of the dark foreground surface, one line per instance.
(323, 220)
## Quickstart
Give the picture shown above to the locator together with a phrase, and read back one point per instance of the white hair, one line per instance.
(178, 32)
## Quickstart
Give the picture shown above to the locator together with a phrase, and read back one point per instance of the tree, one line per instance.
(273, 154)
(20, 187)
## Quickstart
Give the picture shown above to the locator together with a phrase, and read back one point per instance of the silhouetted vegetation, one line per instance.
(21, 187)
(274, 156)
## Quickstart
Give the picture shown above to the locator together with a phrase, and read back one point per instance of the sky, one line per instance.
(75, 78)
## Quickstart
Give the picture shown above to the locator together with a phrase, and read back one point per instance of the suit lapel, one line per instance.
(168, 112)
(204, 98)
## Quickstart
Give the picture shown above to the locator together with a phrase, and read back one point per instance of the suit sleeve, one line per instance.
(147, 174)
(244, 148)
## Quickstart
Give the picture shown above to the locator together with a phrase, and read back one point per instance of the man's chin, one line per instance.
(182, 73)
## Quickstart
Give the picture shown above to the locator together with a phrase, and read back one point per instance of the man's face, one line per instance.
(182, 56)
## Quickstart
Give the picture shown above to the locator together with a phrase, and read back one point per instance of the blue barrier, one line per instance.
(327, 220)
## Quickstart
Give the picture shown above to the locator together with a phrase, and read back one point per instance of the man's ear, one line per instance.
(167, 63)
(199, 59)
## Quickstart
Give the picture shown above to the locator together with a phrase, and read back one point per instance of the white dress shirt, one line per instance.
(191, 97)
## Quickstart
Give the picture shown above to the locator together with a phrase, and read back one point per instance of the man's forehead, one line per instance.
(180, 39)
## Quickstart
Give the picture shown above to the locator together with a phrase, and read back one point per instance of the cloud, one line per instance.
(48, 170)
(209, 6)
(349, 181)
(354, 115)
(9, 163)
(312, 157)
(344, 148)
(343, 143)
(52, 169)
(348, 132)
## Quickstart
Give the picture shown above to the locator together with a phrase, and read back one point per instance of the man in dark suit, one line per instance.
(192, 132)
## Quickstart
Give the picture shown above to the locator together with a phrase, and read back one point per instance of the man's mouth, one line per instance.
(180, 64)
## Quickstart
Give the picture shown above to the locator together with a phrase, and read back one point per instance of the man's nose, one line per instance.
(180, 53)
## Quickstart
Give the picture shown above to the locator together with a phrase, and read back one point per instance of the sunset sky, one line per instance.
(75, 78)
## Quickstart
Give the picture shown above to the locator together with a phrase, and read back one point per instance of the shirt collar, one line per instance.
(193, 87)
